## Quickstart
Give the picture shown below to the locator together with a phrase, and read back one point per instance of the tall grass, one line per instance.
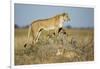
(75, 46)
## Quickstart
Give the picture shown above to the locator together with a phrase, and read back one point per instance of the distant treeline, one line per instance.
(68, 27)
(16, 26)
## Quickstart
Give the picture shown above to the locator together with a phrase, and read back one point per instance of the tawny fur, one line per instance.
(53, 23)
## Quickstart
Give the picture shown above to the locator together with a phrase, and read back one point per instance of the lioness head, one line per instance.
(66, 17)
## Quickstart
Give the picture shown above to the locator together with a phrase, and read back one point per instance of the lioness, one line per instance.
(54, 23)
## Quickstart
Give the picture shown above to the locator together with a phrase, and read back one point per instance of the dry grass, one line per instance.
(77, 45)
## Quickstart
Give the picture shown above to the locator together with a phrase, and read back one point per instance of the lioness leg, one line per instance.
(56, 32)
(36, 36)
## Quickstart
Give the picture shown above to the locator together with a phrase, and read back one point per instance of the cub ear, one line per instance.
(64, 14)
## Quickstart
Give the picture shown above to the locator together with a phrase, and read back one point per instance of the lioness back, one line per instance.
(46, 24)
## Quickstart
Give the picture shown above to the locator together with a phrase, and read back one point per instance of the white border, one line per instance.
(57, 3)
(12, 34)
(44, 65)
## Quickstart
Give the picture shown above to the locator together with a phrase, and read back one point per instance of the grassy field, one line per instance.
(75, 46)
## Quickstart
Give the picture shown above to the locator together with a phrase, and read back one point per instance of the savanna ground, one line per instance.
(75, 46)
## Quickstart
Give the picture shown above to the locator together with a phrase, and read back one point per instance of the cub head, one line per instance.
(66, 17)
